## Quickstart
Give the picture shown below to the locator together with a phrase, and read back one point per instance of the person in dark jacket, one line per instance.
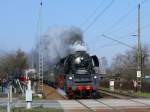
(4, 86)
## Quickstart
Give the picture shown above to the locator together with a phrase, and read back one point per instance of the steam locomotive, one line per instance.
(77, 74)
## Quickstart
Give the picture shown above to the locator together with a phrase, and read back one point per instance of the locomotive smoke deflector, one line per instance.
(95, 61)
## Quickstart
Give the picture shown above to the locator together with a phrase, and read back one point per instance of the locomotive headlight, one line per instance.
(78, 60)
(70, 78)
(95, 77)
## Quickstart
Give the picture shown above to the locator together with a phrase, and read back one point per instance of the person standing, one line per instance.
(1, 84)
(4, 86)
(135, 85)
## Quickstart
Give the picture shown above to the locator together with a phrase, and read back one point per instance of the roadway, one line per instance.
(88, 105)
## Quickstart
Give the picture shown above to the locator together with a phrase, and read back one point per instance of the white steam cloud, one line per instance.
(58, 42)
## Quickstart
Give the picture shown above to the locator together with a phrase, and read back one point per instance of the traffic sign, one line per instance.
(139, 74)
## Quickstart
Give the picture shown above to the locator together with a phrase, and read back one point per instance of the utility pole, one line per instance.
(139, 53)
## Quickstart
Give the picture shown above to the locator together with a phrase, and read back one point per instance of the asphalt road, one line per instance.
(88, 105)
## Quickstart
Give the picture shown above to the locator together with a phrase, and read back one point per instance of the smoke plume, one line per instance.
(58, 42)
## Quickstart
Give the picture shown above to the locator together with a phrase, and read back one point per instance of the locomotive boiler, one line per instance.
(77, 74)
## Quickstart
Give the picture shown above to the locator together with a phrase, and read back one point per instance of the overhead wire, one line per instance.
(109, 45)
(93, 13)
(119, 42)
(122, 43)
(122, 27)
(120, 20)
(127, 35)
(99, 15)
(131, 33)
(123, 17)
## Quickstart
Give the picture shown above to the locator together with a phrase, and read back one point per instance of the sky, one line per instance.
(118, 19)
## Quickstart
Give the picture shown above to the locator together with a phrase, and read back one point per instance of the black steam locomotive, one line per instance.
(77, 74)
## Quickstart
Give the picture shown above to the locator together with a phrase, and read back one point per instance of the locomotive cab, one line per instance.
(81, 77)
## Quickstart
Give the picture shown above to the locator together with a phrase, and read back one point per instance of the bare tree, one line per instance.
(104, 62)
(13, 64)
(125, 65)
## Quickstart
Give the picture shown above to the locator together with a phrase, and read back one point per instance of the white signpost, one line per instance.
(111, 85)
(139, 74)
(29, 95)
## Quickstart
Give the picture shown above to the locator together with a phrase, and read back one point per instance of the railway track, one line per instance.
(111, 107)
(112, 95)
(116, 94)
(120, 96)
(87, 107)
(104, 104)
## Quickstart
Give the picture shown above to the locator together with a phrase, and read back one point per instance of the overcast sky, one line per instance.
(18, 22)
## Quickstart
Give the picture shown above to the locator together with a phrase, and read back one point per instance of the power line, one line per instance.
(108, 45)
(105, 45)
(127, 35)
(99, 15)
(93, 13)
(122, 43)
(123, 17)
(124, 27)
(132, 33)
(120, 20)
(142, 2)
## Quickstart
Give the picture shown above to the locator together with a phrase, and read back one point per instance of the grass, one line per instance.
(38, 109)
(2, 109)
(130, 92)
(143, 94)
(33, 98)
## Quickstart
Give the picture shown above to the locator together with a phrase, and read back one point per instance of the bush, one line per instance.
(145, 86)
(104, 83)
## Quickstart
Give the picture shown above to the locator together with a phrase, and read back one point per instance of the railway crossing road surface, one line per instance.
(89, 105)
